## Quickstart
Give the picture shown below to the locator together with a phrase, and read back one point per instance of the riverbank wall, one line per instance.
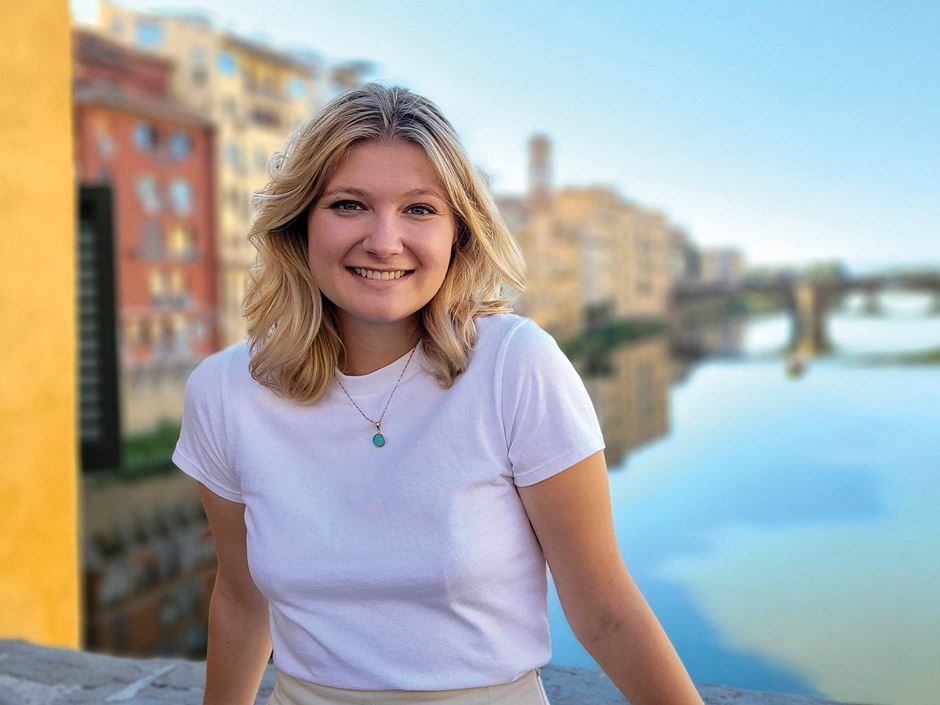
(41, 675)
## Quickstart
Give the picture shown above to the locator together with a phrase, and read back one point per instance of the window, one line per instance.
(177, 282)
(146, 188)
(226, 63)
(180, 242)
(180, 145)
(265, 118)
(105, 146)
(145, 136)
(198, 73)
(148, 34)
(269, 86)
(151, 241)
(249, 80)
(233, 157)
(180, 332)
(157, 285)
(296, 88)
(181, 196)
(132, 332)
(145, 339)
(156, 332)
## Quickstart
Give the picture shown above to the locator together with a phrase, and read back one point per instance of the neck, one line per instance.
(371, 346)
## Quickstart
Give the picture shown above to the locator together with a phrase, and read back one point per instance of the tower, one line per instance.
(540, 169)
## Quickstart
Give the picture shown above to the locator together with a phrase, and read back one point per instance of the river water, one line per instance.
(785, 528)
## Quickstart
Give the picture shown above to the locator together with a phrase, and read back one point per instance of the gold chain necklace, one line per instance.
(378, 440)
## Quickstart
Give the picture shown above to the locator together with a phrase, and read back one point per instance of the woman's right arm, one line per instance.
(239, 638)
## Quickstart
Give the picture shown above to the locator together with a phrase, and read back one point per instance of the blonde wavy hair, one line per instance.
(293, 335)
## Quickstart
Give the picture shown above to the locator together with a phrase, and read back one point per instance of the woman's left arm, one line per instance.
(571, 515)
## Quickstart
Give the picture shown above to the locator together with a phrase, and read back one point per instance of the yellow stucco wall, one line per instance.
(39, 552)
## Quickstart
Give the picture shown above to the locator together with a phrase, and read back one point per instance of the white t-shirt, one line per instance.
(412, 566)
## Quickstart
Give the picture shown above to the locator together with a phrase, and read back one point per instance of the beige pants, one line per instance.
(525, 690)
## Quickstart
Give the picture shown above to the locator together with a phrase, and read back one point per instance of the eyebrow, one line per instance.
(365, 194)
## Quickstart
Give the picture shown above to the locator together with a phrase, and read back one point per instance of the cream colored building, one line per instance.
(646, 289)
(551, 248)
(591, 255)
(253, 93)
(623, 252)
(553, 279)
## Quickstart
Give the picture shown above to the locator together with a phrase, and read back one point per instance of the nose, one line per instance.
(383, 238)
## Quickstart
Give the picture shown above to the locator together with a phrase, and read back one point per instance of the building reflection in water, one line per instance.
(630, 384)
(722, 338)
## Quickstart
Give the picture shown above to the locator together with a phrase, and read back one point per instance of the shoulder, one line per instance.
(517, 342)
(497, 329)
(515, 335)
(213, 371)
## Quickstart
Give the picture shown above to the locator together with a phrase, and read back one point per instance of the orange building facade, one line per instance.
(158, 159)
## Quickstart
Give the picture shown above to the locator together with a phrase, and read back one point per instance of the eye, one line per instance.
(430, 211)
(339, 205)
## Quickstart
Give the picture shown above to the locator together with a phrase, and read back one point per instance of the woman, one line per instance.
(390, 458)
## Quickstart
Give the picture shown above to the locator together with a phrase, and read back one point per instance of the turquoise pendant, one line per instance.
(379, 440)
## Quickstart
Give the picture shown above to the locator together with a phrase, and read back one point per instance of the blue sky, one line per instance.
(795, 131)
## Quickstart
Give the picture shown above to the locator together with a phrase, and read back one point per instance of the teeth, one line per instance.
(383, 276)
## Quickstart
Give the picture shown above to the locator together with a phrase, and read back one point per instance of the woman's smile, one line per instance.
(381, 279)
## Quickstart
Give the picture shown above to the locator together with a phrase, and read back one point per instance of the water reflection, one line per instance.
(629, 387)
(781, 528)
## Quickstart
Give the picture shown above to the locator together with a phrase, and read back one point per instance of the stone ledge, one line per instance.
(40, 675)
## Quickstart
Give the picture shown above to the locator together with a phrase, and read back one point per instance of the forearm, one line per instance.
(638, 657)
(238, 651)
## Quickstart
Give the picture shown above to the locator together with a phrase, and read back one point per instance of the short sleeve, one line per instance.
(548, 418)
(202, 451)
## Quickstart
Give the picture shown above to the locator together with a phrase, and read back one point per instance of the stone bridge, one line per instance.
(809, 300)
